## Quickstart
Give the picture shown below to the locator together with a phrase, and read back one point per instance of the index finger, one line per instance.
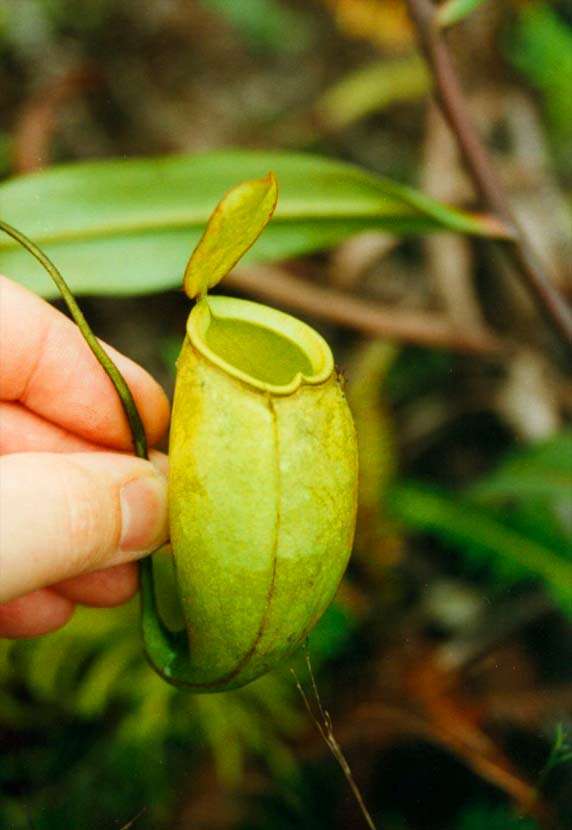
(47, 366)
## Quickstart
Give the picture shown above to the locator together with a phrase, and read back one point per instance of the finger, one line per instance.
(24, 431)
(102, 589)
(47, 366)
(64, 515)
(37, 613)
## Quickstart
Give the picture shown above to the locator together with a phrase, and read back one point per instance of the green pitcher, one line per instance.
(263, 469)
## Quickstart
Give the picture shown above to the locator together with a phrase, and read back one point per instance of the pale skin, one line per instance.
(76, 508)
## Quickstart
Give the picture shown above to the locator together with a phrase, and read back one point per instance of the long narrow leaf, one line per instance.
(479, 531)
(128, 226)
(542, 471)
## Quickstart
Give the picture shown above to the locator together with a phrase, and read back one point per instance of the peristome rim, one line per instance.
(300, 334)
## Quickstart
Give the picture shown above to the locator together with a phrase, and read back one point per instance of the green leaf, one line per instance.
(540, 519)
(372, 88)
(263, 23)
(480, 532)
(541, 48)
(332, 633)
(560, 752)
(543, 471)
(127, 226)
(453, 11)
(494, 817)
(233, 228)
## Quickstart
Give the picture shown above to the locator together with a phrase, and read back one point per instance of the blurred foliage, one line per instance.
(453, 11)
(461, 514)
(540, 46)
(488, 817)
(516, 521)
(383, 22)
(371, 89)
(263, 24)
(127, 227)
(560, 753)
(84, 700)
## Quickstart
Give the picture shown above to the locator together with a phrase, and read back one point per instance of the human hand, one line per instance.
(74, 511)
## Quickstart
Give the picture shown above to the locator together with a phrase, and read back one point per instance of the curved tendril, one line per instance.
(162, 649)
(119, 382)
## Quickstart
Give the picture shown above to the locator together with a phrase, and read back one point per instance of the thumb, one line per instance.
(66, 514)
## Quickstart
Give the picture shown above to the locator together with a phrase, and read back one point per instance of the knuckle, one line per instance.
(88, 516)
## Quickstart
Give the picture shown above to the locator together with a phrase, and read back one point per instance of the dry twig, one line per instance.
(452, 101)
(323, 723)
(370, 318)
(449, 255)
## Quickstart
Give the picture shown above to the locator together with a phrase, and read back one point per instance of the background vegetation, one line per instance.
(445, 661)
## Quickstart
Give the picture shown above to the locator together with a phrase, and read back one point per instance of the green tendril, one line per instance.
(117, 379)
(160, 647)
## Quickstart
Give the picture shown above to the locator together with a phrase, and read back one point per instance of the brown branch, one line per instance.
(450, 256)
(528, 706)
(370, 318)
(451, 98)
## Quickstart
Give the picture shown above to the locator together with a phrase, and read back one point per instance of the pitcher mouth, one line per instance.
(261, 346)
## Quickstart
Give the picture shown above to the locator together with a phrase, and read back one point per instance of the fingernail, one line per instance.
(143, 513)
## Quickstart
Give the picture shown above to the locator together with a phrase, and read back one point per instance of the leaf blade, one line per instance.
(126, 226)
(453, 11)
(463, 523)
(233, 228)
(541, 471)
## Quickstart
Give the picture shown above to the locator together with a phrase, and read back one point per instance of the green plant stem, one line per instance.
(166, 652)
(117, 379)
